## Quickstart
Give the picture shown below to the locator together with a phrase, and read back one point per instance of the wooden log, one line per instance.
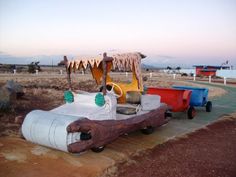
(106, 131)
(104, 76)
(68, 71)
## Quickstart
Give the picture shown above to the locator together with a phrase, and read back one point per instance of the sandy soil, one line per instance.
(29, 160)
(40, 93)
(46, 92)
(207, 152)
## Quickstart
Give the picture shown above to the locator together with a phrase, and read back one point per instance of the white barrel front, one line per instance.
(49, 129)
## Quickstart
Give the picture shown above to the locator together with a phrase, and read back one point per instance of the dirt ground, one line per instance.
(206, 152)
(46, 92)
(40, 93)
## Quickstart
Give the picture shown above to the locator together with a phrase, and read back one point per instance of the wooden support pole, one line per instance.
(68, 71)
(104, 76)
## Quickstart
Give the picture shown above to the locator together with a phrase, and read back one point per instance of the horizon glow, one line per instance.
(184, 30)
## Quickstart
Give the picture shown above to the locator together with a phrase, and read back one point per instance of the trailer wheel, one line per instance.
(208, 106)
(98, 149)
(191, 112)
(148, 130)
(168, 114)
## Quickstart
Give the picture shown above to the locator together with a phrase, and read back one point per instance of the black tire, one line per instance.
(98, 149)
(168, 114)
(208, 106)
(191, 112)
(85, 136)
(148, 130)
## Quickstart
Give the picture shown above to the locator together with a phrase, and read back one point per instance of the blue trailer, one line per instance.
(199, 97)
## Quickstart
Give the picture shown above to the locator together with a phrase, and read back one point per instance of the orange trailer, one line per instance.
(178, 99)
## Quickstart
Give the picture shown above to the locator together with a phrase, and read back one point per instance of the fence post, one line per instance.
(36, 72)
(194, 77)
(209, 79)
(225, 80)
(126, 74)
(14, 71)
(174, 75)
(150, 75)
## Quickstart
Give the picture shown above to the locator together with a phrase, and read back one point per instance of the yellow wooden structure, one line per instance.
(131, 61)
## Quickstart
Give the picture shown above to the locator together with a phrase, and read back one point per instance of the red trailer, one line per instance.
(208, 70)
(178, 99)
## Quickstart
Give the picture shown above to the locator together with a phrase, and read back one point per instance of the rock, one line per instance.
(15, 88)
(8, 94)
(19, 119)
(5, 99)
(145, 78)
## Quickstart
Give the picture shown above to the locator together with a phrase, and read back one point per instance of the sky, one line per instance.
(181, 32)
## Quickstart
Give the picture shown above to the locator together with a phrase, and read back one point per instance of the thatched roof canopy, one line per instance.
(123, 61)
(120, 61)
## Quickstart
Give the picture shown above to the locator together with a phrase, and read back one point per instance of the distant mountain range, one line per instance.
(148, 63)
(152, 62)
(43, 59)
(146, 66)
